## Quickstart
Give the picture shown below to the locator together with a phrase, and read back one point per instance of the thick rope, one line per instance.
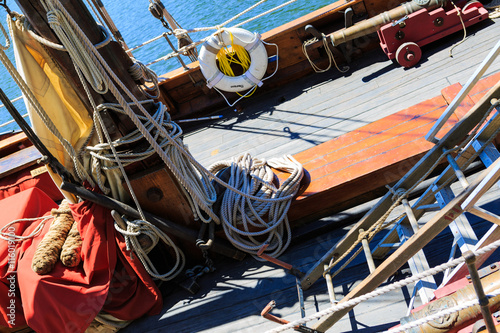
(245, 219)
(380, 291)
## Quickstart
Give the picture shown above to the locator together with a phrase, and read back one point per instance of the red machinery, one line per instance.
(402, 39)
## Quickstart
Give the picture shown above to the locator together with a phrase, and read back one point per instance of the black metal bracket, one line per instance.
(3, 3)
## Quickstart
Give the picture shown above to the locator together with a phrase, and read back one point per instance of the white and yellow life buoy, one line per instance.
(258, 60)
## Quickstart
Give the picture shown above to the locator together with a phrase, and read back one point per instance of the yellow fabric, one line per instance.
(54, 93)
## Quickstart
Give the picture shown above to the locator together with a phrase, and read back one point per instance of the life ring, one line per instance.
(258, 60)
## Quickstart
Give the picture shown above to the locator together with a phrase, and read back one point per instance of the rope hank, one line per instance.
(258, 213)
(49, 249)
(141, 227)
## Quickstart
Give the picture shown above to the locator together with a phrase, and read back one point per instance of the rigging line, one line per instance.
(380, 291)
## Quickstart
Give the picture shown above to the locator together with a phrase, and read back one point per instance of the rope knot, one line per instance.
(397, 194)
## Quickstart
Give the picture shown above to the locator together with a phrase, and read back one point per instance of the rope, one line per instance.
(459, 13)
(494, 8)
(380, 291)
(11, 237)
(243, 218)
(142, 227)
(75, 48)
(193, 45)
(141, 72)
(331, 58)
(398, 196)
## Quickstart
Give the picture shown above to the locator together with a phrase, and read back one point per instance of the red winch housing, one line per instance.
(402, 39)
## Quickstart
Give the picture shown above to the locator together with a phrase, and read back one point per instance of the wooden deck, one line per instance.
(312, 112)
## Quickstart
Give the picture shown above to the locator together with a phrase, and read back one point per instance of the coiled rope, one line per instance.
(202, 194)
(247, 219)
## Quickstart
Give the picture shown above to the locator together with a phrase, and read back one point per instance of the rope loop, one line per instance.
(137, 228)
(398, 194)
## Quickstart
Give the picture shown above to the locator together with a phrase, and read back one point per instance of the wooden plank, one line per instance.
(171, 205)
(13, 140)
(19, 161)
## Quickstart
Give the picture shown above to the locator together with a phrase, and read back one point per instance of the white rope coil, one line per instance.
(248, 222)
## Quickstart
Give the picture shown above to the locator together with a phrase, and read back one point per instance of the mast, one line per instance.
(113, 53)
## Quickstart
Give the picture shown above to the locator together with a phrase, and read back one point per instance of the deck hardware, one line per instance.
(294, 271)
(200, 242)
(401, 22)
(411, 215)
(429, 208)
(456, 168)
(313, 31)
(368, 253)
(329, 286)
(154, 194)
(438, 21)
(470, 259)
(265, 313)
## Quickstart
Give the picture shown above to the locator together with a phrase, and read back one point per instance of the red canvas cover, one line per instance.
(24, 180)
(67, 299)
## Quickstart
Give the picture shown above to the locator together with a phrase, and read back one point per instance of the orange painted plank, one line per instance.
(483, 86)
(382, 149)
(406, 125)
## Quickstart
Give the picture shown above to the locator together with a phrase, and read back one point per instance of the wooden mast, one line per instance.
(167, 193)
(113, 53)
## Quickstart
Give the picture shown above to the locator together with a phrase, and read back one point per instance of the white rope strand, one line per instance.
(380, 291)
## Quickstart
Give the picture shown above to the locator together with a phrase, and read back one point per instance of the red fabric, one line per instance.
(68, 299)
(23, 180)
(30, 203)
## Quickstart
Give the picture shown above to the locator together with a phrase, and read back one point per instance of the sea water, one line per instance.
(137, 25)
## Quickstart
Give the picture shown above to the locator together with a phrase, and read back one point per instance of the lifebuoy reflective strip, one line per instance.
(258, 60)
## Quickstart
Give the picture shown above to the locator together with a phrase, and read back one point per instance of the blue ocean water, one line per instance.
(137, 25)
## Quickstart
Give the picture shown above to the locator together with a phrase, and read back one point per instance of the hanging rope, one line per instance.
(141, 227)
(331, 58)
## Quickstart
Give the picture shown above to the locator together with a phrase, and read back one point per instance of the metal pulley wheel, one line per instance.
(408, 54)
